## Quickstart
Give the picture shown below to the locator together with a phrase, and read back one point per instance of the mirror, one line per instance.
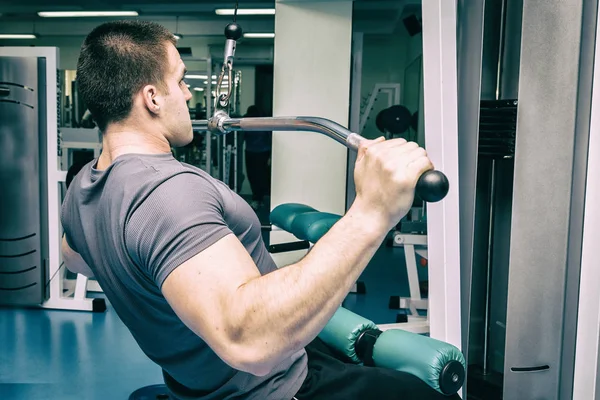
(386, 99)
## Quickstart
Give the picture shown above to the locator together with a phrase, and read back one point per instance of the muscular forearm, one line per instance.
(281, 312)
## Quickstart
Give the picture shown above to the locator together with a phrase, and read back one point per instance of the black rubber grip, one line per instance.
(432, 186)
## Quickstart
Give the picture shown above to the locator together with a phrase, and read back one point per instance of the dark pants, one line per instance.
(259, 174)
(331, 379)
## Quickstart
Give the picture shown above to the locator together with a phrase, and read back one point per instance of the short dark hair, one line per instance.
(117, 60)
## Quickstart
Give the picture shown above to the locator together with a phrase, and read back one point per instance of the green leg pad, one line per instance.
(434, 362)
(284, 214)
(342, 331)
(312, 226)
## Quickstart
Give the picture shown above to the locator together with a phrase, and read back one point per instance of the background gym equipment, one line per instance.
(30, 259)
(411, 235)
(394, 120)
(530, 311)
(23, 248)
(391, 90)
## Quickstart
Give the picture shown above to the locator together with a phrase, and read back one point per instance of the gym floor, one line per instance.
(64, 355)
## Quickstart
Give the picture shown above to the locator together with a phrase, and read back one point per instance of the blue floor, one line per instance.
(69, 355)
(64, 355)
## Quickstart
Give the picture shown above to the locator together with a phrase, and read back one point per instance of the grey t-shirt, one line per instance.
(133, 224)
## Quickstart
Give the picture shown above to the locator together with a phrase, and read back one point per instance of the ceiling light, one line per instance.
(196, 77)
(247, 11)
(178, 36)
(70, 14)
(259, 35)
(199, 89)
(17, 36)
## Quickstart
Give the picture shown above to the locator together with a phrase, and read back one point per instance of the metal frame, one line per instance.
(470, 50)
(441, 138)
(79, 287)
(552, 136)
(586, 383)
(209, 111)
(413, 244)
(584, 116)
(356, 84)
(417, 325)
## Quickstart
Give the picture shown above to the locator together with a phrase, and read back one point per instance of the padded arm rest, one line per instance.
(343, 330)
(439, 364)
(312, 226)
(284, 214)
(303, 221)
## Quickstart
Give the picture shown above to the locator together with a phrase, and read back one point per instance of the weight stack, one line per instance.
(23, 220)
(491, 246)
(497, 128)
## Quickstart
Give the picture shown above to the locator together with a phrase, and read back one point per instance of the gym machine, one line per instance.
(31, 271)
(529, 208)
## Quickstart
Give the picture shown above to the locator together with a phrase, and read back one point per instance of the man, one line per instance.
(180, 256)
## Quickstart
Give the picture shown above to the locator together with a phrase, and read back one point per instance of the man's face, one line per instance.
(176, 116)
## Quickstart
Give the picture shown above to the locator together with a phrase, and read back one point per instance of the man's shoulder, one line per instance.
(155, 170)
(165, 179)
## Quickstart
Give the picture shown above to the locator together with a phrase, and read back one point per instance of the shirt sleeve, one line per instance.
(180, 218)
(66, 212)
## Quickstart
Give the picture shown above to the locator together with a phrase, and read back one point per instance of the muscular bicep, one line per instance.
(179, 238)
(202, 292)
(73, 260)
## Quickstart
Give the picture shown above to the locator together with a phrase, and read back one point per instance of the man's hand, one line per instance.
(386, 174)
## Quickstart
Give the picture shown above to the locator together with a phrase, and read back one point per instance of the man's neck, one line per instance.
(119, 140)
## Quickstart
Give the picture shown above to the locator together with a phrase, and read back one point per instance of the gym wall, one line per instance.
(311, 77)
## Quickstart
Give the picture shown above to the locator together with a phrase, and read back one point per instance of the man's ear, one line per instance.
(152, 99)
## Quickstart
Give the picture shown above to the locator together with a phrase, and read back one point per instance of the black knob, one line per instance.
(432, 186)
(233, 31)
(452, 377)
